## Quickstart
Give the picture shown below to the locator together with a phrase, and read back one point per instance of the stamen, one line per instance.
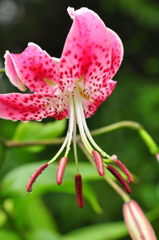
(71, 124)
(34, 176)
(120, 179)
(78, 187)
(87, 130)
(124, 170)
(80, 124)
(99, 162)
(60, 150)
(75, 146)
(122, 167)
(68, 138)
(61, 169)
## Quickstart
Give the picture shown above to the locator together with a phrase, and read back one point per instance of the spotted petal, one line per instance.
(87, 49)
(117, 52)
(97, 95)
(89, 58)
(25, 107)
(33, 68)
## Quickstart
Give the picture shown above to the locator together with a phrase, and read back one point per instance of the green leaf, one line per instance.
(35, 214)
(41, 234)
(3, 218)
(104, 231)
(7, 235)
(32, 131)
(15, 181)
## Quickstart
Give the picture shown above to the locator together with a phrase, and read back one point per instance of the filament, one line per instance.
(88, 132)
(75, 146)
(80, 125)
(68, 138)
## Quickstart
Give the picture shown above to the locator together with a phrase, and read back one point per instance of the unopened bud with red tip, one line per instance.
(99, 162)
(138, 225)
(120, 179)
(157, 156)
(122, 167)
(79, 193)
(61, 169)
(34, 176)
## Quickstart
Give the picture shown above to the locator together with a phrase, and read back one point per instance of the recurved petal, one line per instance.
(87, 50)
(117, 52)
(25, 107)
(33, 68)
(93, 95)
(11, 72)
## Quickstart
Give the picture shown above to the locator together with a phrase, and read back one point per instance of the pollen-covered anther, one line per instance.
(122, 167)
(79, 193)
(61, 169)
(99, 162)
(124, 170)
(119, 178)
(34, 176)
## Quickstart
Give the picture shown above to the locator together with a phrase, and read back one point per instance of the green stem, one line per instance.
(153, 214)
(115, 126)
(12, 143)
(113, 184)
(2, 70)
(2, 154)
(152, 146)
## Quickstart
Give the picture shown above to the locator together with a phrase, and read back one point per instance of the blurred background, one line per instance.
(52, 213)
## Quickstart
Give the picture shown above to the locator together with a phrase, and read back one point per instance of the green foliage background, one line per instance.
(51, 212)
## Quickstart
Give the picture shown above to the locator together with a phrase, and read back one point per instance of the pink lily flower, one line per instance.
(73, 86)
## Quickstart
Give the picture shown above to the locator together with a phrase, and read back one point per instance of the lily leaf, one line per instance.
(103, 231)
(41, 234)
(8, 235)
(31, 131)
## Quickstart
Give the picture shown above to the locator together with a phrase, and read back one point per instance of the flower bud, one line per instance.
(138, 225)
(157, 156)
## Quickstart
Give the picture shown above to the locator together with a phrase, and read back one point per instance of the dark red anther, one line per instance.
(79, 193)
(120, 179)
(124, 170)
(99, 162)
(34, 176)
(60, 170)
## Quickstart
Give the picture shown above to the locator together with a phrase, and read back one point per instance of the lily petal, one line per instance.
(117, 52)
(33, 68)
(93, 96)
(11, 72)
(25, 107)
(87, 50)
(92, 55)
